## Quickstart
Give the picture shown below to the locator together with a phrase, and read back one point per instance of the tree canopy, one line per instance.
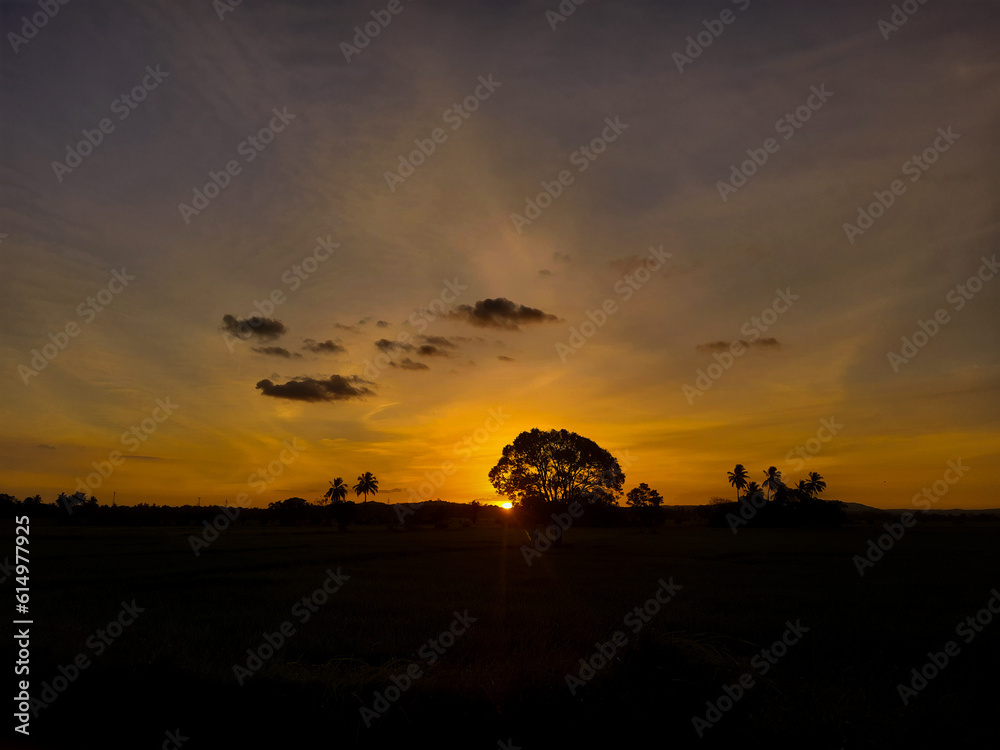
(556, 466)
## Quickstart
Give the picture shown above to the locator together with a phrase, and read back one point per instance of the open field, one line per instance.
(504, 677)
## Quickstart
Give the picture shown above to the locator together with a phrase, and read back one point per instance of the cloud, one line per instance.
(505, 358)
(323, 346)
(545, 272)
(381, 324)
(334, 388)
(500, 313)
(561, 257)
(386, 345)
(342, 327)
(262, 328)
(274, 351)
(722, 346)
(429, 350)
(442, 341)
(408, 364)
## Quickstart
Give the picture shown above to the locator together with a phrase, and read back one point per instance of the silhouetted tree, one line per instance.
(738, 478)
(646, 502)
(366, 483)
(337, 491)
(474, 507)
(772, 480)
(816, 484)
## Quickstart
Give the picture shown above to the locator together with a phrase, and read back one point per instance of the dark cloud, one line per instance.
(381, 324)
(429, 350)
(500, 313)
(274, 351)
(408, 364)
(262, 328)
(323, 346)
(505, 358)
(334, 388)
(342, 327)
(46, 447)
(545, 272)
(722, 346)
(442, 341)
(386, 345)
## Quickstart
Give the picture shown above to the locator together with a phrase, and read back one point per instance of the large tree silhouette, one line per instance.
(772, 480)
(556, 466)
(366, 483)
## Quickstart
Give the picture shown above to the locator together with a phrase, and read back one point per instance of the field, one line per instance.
(503, 679)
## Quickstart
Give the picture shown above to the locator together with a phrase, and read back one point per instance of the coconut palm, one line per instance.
(816, 483)
(752, 489)
(337, 491)
(738, 478)
(803, 489)
(772, 480)
(366, 483)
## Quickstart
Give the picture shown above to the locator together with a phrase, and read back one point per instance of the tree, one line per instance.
(366, 483)
(816, 484)
(543, 468)
(646, 501)
(337, 491)
(772, 480)
(738, 478)
(752, 489)
(803, 490)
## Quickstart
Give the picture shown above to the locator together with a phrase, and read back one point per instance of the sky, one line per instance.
(248, 248)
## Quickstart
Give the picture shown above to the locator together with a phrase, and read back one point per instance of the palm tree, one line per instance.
(772, 480)
(816, 483)
(738, 478)
(803, 489)
(752, 489)
(337, 491)
(366, 483)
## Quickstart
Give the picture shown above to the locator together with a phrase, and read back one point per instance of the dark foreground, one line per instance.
(167, 679)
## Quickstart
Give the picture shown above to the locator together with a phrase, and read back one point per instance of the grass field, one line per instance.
(504, 677)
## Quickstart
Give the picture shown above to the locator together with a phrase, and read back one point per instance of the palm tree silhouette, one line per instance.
(772, 480)
(366, 483)
(804, 488)
(337, 491)
(738, 478)
(752, 489)
(815, 483)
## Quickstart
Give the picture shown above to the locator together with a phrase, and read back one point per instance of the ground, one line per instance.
(503, 679)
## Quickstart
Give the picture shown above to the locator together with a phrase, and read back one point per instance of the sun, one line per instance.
(506, 506)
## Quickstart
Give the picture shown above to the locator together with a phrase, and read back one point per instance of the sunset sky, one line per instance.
(448, 257)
